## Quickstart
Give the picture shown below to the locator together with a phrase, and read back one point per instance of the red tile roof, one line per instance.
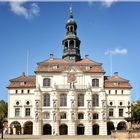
(116, 82)
(62, 65)
(23, 81)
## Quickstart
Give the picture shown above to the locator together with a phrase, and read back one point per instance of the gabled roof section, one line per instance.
(60, 65)
(23, 81)
(116, 82)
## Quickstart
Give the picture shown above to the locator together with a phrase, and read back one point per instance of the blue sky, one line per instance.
(40, 28)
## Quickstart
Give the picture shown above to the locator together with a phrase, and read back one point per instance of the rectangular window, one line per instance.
(110, 112)
(63, 100)
(22, 91)
(28, 91)
(122, 91)
(115, 91)
(63, 115)
(95, 100)
(17, 112)
(46, 100)
(27, 111)
(120, 112)
(16, 91)
(109, 91)
(80, 99)
(46, 115)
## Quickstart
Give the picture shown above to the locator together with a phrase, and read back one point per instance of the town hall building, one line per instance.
(69, 95)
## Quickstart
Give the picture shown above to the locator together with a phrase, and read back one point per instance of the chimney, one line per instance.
(51, 56)
(86, 56)
(23, 74)
(115, 73)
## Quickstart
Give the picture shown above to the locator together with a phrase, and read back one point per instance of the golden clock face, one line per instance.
(71, 78)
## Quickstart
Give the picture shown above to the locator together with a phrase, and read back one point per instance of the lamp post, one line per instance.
(1, 128)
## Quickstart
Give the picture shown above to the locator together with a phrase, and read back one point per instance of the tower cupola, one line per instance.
(71, 42)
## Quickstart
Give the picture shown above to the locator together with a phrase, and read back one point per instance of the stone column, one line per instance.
(9, 130)
(103, 128)
(22, 130)
(14, 131)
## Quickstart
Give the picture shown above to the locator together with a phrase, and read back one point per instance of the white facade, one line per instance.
(83, 86)
(68, 96)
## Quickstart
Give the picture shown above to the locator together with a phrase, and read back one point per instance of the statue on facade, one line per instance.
(54, 104)
(36, 103)
(54, 117)
(72, 103)
(72, 116)
(89, 116)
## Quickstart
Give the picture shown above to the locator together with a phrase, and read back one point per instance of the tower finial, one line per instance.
(71, 16)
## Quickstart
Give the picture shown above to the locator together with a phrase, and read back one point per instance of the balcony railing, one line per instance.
(75, 87)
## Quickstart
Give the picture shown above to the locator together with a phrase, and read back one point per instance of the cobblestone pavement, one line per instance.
(31, 137)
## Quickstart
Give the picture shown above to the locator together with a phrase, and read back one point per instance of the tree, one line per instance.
(136, 111)
(3, 109)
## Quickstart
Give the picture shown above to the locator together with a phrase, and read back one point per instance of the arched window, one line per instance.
(63, 100)
(63, 115)
(80, 115)
(46, 82)
(95, 100)
(95, 116)
(46, 100)
(46, 115)
(95, 82)
(71, 29)
(80, 99)
(71, 44)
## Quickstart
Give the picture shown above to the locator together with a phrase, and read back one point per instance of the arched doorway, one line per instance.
(95, 129)
(15, 128)
(63, 129)
(80, 129)
(47, 129)
(121, 126)
(28, 128)
(110, 127)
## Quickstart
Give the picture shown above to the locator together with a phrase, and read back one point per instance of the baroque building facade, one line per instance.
(68, 96)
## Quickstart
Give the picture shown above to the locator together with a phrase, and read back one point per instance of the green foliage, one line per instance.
(3, 109)
(136, 111)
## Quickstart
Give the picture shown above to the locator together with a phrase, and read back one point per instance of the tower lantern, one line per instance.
(71, 43)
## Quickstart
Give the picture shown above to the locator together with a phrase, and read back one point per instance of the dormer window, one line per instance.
(22, 83)
(88, 67)
(46, 82)
(55, 66)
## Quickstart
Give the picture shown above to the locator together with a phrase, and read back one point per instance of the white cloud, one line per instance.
(19, 9)
(116, 51)
(105, 3)
(108, 3)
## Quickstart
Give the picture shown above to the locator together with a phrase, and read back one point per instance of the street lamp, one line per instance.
(1, 128)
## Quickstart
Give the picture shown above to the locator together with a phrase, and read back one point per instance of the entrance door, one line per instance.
(80, 129)
(28, 128)
(47, 129)
(63, 129)
(110, 127)
(95, 129)
(121, 126)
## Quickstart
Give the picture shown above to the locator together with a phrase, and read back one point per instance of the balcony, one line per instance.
(74, 87)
